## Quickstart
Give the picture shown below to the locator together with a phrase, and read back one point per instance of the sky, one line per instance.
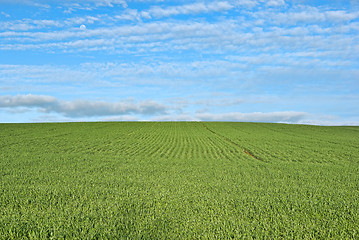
(285, 61)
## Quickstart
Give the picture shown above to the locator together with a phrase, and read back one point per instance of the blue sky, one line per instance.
(228, 60)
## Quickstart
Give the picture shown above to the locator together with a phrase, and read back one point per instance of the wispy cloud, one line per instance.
(84, 4)
(309, 15)
(5, 14)
(22, 27)
(245, 3)
(194, 8)
(226, 35)
(275, 3)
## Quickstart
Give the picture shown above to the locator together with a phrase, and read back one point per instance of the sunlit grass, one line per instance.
(178, 180)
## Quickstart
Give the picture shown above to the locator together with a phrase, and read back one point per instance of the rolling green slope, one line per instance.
(188, 180)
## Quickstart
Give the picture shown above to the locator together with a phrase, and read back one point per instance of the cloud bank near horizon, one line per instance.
(129, 110)
(80, 108)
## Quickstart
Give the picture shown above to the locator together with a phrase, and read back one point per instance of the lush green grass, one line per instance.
(178, 180)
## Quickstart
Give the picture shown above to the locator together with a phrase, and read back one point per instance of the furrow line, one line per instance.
(244, 150)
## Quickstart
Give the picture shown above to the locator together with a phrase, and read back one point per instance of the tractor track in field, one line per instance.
(245, 151)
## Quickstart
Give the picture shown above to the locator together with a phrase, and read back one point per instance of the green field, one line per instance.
(178, 180)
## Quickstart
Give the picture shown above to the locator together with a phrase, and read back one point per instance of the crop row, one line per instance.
(155, 180)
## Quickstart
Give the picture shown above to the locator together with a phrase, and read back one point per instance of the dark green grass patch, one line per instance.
(178, 180)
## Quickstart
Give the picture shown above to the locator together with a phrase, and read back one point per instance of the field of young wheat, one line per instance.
(178, 180)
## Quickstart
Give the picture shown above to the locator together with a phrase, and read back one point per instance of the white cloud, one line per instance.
(35, 3)
(339, 16)
(109, 3)
(80, 20)
(194, 8)
(26, 101)
(219, 6)
(71, 4)
(285, 117)
(220, 102)
(275, 3)
(309, 15)
(121, 118)
(324, 122)
(208, 37)
(44, 24)
(246, 3)
(228, 34)
(81, 108)
(129, 110)
(129, 14)
(176, 117)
